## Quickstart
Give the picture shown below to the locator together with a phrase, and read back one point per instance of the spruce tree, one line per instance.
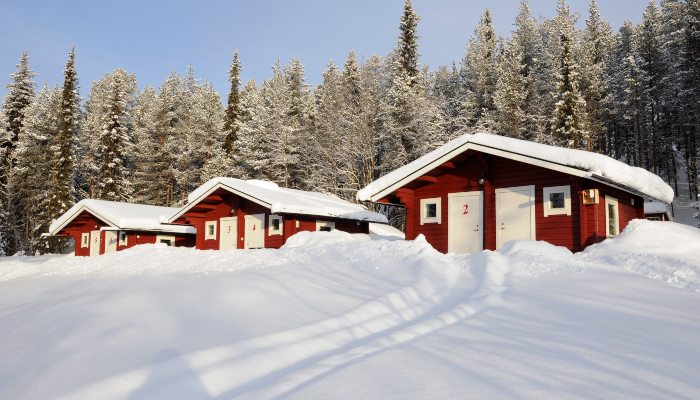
(115, 138)
(479, 73)
(69, 114)
(407, 47)
(568, 115)
(20, 95)
(233, 107)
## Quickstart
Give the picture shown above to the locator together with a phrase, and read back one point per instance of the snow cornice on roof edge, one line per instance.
(580, 163)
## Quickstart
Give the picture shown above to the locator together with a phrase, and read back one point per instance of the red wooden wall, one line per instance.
(560, 230)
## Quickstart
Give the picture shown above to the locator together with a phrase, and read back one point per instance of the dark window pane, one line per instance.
(275, 224)
(325, 229)
(211, 230)
(166, 241)
(431, 210)
(556, 200)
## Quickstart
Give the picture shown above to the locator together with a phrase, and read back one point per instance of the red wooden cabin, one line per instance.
(480, 191)
(654, 211)
(231, 213)
(100, 227)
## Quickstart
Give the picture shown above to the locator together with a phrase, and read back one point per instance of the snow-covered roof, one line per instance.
(127, 216)
(580, 163)
(655, 208)
(385, 230)
(282, 200)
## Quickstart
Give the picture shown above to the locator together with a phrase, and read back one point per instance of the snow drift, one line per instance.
(334, 315)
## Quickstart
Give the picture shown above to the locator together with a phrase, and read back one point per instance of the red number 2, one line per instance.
(466, 206)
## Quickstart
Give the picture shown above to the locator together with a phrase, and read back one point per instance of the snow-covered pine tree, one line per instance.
(328, 140)
(511, 90)
(479, 73)
(620, 126)
(569, 114)
(37, 156)
(407, 46)
(20, 95)
(302, 120)
(233, 106)
(69, 115)
(146, 148)
(449, 96)
(652, 61)
(212, 158)
(116, 138)
(88, 146)
(597, 44)
(570, 108)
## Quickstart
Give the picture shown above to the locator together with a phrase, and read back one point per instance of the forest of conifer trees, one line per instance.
(633, 94)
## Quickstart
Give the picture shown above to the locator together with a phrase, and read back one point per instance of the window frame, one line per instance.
(320, 224)
(546, 203)
(126, 238)
(208, 236)
(166, 237)
(271, 232)
(611, 201)
(85, 240)
(437, 219)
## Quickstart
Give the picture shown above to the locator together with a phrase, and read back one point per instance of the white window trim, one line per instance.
(126, 238)
(611, 200)
(438, 211)
(546, 204)
(207, 236)
(171, 238)
(270, 232)
(320, 224)
(85, 240)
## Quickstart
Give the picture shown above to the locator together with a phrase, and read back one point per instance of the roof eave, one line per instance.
(219, 185)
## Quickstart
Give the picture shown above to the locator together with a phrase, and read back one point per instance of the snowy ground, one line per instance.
(358, 319)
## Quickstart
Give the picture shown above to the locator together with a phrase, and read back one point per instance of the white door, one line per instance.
(94, 243)
(110, 241)
(229, 233)
(465, 223)
(254, 231)
(515, 214)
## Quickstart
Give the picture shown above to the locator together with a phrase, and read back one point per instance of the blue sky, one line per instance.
(154, 38)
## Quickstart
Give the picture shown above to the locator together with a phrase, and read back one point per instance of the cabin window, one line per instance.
(612, 217)
(275, 225)
(653, 218)
(431, 211)
(325, 226)
(210, 230)
(85, 240)
(556, 200)
(122, 238)
(168, 240)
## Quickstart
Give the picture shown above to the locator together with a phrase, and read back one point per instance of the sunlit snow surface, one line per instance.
(367, 318)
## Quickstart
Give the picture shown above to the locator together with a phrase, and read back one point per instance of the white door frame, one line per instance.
(450, 225)
(221, 231)
(531, 188)
(95, 244)
(261, 218)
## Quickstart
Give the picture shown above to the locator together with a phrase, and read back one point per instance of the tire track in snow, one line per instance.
(277, 364)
